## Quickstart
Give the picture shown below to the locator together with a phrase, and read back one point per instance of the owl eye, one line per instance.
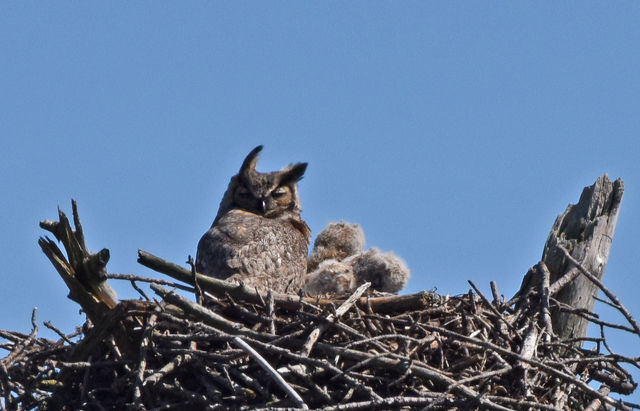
(280, 192)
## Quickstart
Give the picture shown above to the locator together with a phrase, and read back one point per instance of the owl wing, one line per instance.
(216, 255)
(261, 252)
(222, 249)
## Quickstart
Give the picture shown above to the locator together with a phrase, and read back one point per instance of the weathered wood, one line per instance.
(84, 273)
(395, 303)
(586, 230)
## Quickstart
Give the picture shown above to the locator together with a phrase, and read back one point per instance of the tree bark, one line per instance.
(586, 231)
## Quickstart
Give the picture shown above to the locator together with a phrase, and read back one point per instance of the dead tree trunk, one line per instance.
(585, 230)
(85, 274)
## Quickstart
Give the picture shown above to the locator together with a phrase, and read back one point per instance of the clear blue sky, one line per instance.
(454, 132)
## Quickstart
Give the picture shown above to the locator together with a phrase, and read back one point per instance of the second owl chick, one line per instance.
(384, 270)
(331, 277)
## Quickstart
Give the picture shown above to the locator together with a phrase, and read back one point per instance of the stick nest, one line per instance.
(455, 352)
(208, 344)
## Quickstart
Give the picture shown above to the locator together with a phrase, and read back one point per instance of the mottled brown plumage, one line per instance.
(258, 236)
(336, 242)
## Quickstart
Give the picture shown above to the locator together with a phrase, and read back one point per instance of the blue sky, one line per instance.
(453, 132)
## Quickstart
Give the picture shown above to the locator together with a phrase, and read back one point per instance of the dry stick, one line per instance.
(561, 282)
(529, 343)
(544, 306)
(603, 301)
(340, 326)
(19, 348)
(605, 290)
(57, 331)
(316, 332)
(76, 222)
(526, 351)
(613, 381)
(472, 300)
(496, 295)
(391, 336)
(146, 339)
(13, 336)
(167, 368)
(270, 307)
(611, 358)
(80, 365)
(268, 368)
(188, 352)
(590, 317)
(133, 277)
(192, 264)
(355, 367)
(140, 290)
(493, 309)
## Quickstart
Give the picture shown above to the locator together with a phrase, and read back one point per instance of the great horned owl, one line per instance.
(337, 242)
(330, 277)
(258, 236)
(384, 270)
(338, 263)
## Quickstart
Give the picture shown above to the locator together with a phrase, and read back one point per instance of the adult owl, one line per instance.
(258, 236)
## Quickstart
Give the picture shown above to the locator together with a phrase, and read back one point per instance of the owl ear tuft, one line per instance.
(293, 173)
(249, 164)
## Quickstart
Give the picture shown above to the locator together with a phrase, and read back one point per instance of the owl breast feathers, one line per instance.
(258, 236)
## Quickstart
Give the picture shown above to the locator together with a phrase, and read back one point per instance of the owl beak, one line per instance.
(263, 206)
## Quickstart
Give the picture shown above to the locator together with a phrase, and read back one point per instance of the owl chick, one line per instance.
(336, 242)
(330, 277)
(385, 271)
(338, 263)
(258, 236)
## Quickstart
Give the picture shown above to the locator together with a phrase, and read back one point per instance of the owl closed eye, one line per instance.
(267, 198)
